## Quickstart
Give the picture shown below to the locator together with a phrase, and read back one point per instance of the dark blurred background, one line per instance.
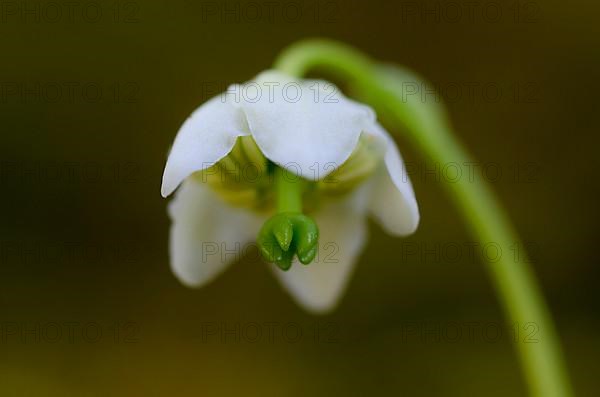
(91, 96)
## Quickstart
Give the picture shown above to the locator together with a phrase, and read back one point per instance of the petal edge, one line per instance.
(205, 137)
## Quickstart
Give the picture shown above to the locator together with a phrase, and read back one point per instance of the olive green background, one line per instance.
(90, 101)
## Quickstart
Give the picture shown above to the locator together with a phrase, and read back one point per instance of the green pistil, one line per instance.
(289, 232)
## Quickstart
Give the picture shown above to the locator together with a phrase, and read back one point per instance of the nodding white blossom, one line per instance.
(222, 157)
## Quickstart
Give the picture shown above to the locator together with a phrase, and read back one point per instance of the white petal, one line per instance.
(306, 126)
(393, 201)
(206, 234)
(317, 287)
(207, 135)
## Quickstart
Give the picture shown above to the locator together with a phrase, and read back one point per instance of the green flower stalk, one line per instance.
(382, 86)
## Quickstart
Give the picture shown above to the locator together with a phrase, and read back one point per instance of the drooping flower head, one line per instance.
(293, 164)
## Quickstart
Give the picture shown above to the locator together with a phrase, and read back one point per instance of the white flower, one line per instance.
(311, 129)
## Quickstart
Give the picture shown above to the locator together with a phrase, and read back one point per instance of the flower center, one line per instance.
(245, 177)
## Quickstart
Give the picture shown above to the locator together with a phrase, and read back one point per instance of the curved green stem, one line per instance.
(425, 125)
